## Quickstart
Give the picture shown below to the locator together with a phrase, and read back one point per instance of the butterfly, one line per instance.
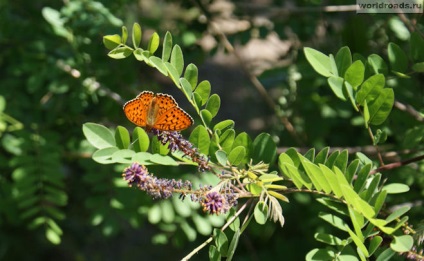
(157, 111)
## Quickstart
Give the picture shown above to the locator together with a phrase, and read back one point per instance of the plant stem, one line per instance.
(197, 249)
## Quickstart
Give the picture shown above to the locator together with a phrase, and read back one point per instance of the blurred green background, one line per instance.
(55, 75)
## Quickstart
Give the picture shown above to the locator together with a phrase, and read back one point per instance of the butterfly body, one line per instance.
(157, 111)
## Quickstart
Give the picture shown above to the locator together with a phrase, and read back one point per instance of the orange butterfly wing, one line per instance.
(136, 109)
(163, 110)
(170, 117)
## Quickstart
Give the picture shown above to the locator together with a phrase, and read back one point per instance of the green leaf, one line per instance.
(237, 155)
(374, 244)
(163, 160)
(235, 225)
(53, 237)
(213, 105)
(2, 104)
(358, 242)
(362, 178)
(322, 156)
(158, 64)
(173, 74)
(310, 154)
(370, 89)
(197, 100)
(140, 140)
(167, 47)
(413, 137)
(333, 65)
(380, 201)
(122, 137)
(319, 61)
(206, 116)
(199, 137)
(224, 125)
(112, 41)
(372, 187)
(98, 135)
(136, 35)
(341, 160)
(343, 60)
(366, 113)
(154, 215)
(320, 254)
(244, 140)
(379, 137)
(142, 55)
(386, 255)
(399, 28)
(233, 245)
(124, 34)
(396, 188)
(397, 58)
(153, 43)
(397, 213)
(104, 156)
(348, 91)
(226, 140)
(418, 67)
(120, 52)
(186, 87)
(353, 199)
(54, 226)
(167, 207)
(264, 148)
(331, 178)
(204, 90)
(221, 241)
(328, 239)
(123, 156)
(402, 243)
(261, 213)
(316, 176)
(142, 158)
(417, 47)
(182, 208)
(191, 75)
(334, 205)
(288, 168)
(355, 74)
(358, 222)
(221, 156)
(332, 158)
(381, 107)
(351, 170)
(177, 59)
(334, 221)
(158, 147)
(254, 188)
(377, 64)
(214, 254)
(336, 85)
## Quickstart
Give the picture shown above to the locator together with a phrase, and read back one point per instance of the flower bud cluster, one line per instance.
(215, 202)
(212, 200)
(177, 142)
(138, 175)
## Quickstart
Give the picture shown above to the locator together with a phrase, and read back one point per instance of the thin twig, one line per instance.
(396, 164)
(254, 80)
(409, 109)
(197, 249)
